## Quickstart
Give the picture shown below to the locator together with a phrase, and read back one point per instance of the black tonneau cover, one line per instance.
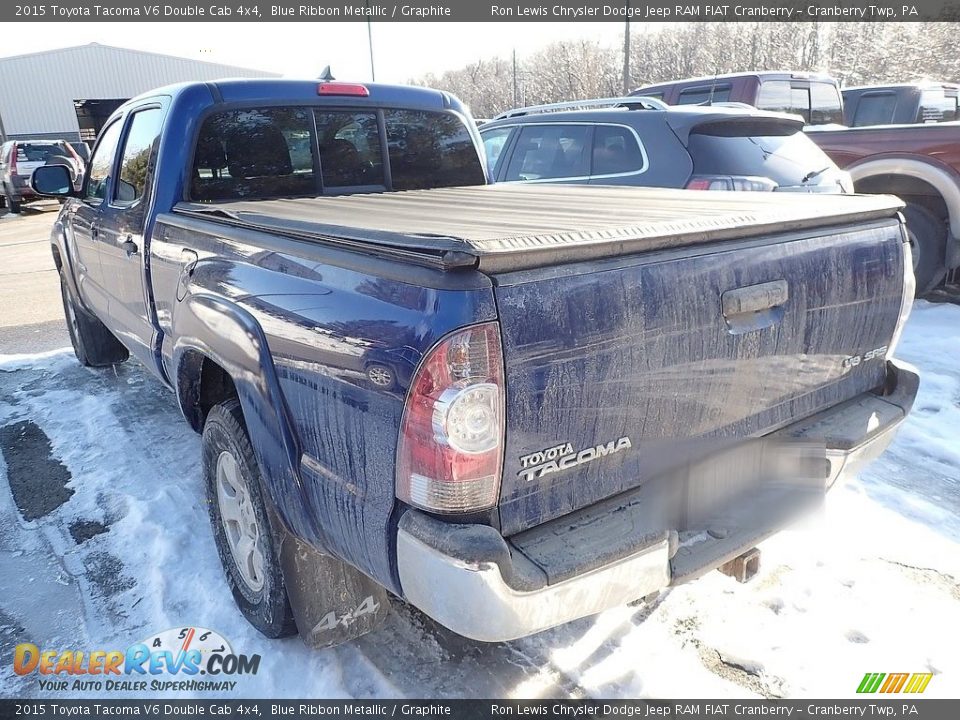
(515, 226)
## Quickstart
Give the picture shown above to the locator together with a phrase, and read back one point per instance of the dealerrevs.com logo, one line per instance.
(172, 660)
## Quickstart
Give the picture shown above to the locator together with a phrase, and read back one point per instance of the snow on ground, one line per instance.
(869, 585)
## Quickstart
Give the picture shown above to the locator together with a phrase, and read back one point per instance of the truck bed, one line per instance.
(514, 226)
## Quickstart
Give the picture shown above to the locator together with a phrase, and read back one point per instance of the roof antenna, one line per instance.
(326, 75)
(713, 86)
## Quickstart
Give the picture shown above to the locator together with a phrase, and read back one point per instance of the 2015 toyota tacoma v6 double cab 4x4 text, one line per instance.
(510, 405)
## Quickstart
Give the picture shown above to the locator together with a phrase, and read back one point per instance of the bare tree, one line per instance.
(854, 53)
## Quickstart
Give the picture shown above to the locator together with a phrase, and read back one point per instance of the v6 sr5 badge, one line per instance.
(563, 457)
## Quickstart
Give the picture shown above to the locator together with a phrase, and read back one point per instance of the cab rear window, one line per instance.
(704, 94)
(303, 152)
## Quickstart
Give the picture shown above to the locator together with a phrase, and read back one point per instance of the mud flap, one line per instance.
(332, 602)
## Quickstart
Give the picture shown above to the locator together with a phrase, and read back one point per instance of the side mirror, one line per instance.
(52, 180)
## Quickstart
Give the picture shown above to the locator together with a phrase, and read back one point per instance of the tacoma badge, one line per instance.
(562, 457)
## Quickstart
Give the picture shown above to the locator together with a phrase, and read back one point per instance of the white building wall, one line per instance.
(37, 91)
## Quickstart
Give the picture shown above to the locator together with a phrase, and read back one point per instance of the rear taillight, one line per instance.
(451, 438)
(343, 88)
(906, 302)
(13, 159)
(731, 182)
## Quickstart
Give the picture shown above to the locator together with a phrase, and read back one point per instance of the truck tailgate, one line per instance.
(612, 366)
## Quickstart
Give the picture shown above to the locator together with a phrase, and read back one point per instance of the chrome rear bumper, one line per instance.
(469, 579)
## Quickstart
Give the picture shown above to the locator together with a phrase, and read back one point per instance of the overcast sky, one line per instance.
(402, 50)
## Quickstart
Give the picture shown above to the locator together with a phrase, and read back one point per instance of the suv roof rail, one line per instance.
(634, 102)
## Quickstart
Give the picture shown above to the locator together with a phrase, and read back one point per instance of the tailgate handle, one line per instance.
(754, 307)
(754, 298)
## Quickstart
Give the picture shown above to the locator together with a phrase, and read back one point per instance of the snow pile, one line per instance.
(868, 586)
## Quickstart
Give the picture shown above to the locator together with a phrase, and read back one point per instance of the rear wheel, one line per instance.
(380, 375)
(928, 239)
(241, 527)
(93, 344)
(12, 204)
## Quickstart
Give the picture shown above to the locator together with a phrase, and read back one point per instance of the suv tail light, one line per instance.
(731, 182)
(13, 159)
(450, 456)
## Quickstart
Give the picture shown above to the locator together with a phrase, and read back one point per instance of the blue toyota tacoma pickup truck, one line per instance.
(510, 405)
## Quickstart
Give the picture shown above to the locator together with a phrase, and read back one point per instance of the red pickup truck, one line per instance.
(920, 164)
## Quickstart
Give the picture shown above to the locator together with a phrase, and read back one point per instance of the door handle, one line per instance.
(754, 298)
(189, 259)
(754, 307)
(129, 246)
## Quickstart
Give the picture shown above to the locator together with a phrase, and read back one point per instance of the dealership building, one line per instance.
(69, 93)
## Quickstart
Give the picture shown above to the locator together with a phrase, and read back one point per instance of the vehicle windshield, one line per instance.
(785, 155)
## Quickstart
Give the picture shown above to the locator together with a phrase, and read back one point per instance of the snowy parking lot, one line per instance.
(104, 541)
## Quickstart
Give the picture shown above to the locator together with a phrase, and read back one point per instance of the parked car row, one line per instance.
(18, 160)
(899, 139)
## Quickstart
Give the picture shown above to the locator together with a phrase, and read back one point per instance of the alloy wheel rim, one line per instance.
(240, 525)
(380, 376)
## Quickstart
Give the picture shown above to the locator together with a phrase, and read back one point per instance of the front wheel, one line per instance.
(241, 526)
(928, 240)
(93, 344)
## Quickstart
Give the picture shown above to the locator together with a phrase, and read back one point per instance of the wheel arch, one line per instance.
(221, 351)
(908, 176)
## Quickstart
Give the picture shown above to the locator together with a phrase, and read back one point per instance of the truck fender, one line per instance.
(944, 180)
(210, 327)
(63, 260)
(332, 601)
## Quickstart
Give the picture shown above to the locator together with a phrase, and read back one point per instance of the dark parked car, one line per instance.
(634, 141)
(812, 96)
(903, 104)
(18, 160)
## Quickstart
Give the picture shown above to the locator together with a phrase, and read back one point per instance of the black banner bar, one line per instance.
(482, 11)
(903, 707)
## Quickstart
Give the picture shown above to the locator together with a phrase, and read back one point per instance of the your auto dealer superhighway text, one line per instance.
(575, 12)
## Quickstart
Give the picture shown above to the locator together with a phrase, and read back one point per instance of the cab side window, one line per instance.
(875, 108)
(101, 164)
(616, 152)
(550, 151)
(138, 154)
(493, 143)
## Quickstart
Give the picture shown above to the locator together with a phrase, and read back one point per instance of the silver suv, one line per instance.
(18, 160)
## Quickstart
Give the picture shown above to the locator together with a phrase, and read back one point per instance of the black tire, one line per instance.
(928, 241)
(93, 344)
(265, 606)
(13, 206)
